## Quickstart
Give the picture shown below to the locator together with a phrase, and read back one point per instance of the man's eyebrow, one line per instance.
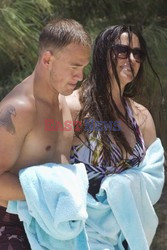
(77, 64)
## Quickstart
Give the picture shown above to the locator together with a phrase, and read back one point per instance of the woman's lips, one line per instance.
(126, 67)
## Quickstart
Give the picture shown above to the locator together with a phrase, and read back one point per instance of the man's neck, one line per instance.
(42, 90)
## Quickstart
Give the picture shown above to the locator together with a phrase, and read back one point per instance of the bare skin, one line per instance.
(25, 140)
(140, 113)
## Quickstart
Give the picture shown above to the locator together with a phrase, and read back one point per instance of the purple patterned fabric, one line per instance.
(96, 172)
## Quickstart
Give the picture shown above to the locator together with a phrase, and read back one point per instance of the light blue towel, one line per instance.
(54, 213)
(125, 205)
(124, 208)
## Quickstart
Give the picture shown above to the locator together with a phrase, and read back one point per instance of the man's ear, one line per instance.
(47, 58)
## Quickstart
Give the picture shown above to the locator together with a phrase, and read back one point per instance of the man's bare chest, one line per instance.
(42, 145)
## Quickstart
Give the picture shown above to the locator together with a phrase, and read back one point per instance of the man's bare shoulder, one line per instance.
(19, 108)
(17, 116)
(145, 122)
(74, 103)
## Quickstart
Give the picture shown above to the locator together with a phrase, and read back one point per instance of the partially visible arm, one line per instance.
(152, 166)
(148, 129)
(74, 104)
(10, 188)
(145, 122)
(13, 129)
(75, 107)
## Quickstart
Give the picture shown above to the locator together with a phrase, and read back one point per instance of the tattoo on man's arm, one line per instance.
(6, 119)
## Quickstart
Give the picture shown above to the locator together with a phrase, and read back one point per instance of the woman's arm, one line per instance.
(145, 123)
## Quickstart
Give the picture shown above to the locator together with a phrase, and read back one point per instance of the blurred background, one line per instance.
(20, 25)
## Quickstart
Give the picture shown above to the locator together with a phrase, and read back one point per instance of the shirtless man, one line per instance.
(25, 140)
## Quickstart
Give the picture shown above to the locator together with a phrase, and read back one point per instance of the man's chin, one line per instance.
(67, 92)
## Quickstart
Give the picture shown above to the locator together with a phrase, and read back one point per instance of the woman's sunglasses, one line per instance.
(123, 52)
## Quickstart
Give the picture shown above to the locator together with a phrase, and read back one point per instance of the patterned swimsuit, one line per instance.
(82, 153)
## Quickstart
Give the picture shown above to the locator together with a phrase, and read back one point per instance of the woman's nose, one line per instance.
(131, 57)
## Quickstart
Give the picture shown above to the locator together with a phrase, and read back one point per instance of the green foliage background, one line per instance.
(21, 22)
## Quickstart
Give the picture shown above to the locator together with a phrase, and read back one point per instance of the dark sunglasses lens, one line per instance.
(138, 55)
(121, 51)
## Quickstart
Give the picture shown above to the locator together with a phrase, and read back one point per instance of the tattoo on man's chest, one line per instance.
(6, 118)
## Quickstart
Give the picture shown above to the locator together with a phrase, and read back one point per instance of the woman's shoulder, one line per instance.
(73, 103)
(138, 109)
(145, 122)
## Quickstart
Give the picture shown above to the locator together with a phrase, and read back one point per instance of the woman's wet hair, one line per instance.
(96, 92)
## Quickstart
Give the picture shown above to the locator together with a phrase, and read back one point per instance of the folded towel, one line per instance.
(124, 209)
(54, 213)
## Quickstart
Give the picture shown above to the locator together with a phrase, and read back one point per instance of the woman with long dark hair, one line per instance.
(116, 131)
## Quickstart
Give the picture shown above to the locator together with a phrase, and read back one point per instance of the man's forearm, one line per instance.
(10, 188)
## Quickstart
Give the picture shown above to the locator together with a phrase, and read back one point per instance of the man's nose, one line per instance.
(79, 75)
